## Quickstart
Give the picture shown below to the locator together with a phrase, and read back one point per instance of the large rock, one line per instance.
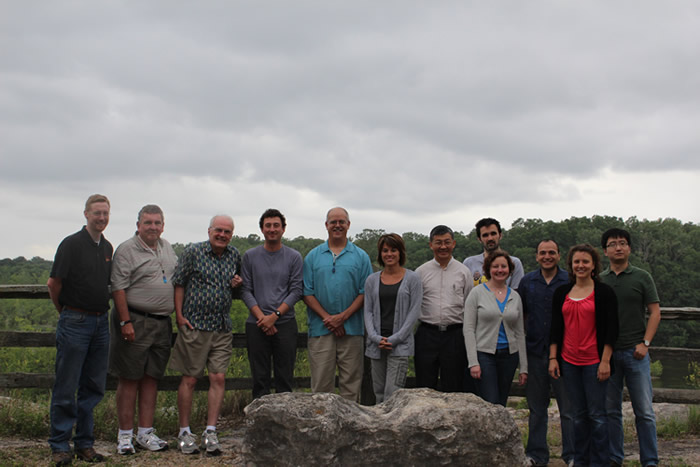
(414, 427)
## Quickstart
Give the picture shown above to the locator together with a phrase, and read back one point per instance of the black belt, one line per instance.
(442, 327)
(147, 315)
(87, 312)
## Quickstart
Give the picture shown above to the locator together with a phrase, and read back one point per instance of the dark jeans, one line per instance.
(497, 372)
(537, 390)
(588, 395)
(280, 349)
(82, 347)
(440, 354)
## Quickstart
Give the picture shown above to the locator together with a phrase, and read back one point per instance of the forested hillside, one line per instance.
(668, 248)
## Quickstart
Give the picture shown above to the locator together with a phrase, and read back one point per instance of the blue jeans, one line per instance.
(537, 391)
(497, 372)
(82, 346)
(637, 375)
(587, 394)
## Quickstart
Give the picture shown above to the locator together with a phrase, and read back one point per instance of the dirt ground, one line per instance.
(19, 452)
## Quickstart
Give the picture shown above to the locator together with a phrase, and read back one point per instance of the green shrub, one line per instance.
(657, 369)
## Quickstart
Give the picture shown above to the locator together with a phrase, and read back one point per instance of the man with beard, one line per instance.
(272, 284)
(488, 231)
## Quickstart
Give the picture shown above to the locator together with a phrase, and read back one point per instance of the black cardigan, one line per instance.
(607, 326)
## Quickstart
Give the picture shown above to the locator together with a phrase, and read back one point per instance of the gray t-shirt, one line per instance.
(145, 275)
(271, 278)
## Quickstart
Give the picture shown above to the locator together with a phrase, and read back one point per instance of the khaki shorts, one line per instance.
(196, 350)
(148, 354)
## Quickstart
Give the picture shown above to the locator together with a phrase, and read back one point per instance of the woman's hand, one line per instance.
(475, 371)
(522, 379)
(603, 370)
(554, 368)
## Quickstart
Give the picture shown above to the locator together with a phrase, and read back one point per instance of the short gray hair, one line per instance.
(347, 216)
(151, 209)
(225, 216)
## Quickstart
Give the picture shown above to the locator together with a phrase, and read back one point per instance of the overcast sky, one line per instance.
(408, 114)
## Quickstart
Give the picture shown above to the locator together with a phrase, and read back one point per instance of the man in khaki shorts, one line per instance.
(142, 290)
(204, 281)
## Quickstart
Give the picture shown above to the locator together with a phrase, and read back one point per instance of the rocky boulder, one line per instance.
(414, 427)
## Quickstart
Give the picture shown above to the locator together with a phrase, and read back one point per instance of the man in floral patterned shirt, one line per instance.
(204, 280)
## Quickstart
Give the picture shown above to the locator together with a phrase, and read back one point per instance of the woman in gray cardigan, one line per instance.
(493, 331)
(393, 299)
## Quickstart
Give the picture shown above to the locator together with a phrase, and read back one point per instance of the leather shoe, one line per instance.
(89, 455)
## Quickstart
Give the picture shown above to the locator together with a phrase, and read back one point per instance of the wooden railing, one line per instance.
(170, 383)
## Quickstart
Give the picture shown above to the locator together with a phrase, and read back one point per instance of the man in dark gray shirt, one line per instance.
(272, 284)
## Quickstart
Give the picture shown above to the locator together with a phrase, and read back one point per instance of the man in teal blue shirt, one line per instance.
(334, 280)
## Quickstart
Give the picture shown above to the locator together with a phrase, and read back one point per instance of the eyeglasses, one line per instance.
(220, 231)
(614, 245)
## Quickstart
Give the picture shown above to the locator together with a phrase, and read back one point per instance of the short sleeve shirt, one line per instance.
(145, 275)
(336, 282)
(635, 289)
(84, 268)
(206, 278)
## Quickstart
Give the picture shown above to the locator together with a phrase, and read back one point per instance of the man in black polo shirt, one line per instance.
(79, 288)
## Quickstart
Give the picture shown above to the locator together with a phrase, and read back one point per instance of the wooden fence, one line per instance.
(170, 383)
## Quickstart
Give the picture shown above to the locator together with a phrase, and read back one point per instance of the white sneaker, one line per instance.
(187, 443)
(210, 443)
(150, 441)
(124, 444)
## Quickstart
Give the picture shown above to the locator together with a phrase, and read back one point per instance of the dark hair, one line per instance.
(151, 209)
(485, 222)
(492, 257)
(441, 230)
(273, 213)
(391, 240)
(583, 248)
(537, 247)
(614, 233)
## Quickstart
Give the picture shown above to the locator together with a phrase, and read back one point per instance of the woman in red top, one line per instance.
(584, 330)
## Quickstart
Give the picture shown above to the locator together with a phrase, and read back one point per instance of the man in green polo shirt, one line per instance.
(636, 293)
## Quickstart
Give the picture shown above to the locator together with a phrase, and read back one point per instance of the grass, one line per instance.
(30, 419)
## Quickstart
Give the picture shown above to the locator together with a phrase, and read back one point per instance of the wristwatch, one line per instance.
(647, 343)
(124, 323)
(279, 315)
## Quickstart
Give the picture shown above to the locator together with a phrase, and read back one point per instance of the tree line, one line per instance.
(668, 248)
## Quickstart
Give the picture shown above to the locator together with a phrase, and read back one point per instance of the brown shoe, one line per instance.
(89, 455)
(60, 458)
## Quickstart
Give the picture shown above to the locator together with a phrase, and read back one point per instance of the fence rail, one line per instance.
(170, 383)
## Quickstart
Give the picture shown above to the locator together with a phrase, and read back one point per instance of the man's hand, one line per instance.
(267, 324)
(236, 281)
(334, 322)
(128, 332)
(640, 351)
(182, 321)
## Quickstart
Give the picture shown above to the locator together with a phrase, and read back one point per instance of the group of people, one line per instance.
(469, 326)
